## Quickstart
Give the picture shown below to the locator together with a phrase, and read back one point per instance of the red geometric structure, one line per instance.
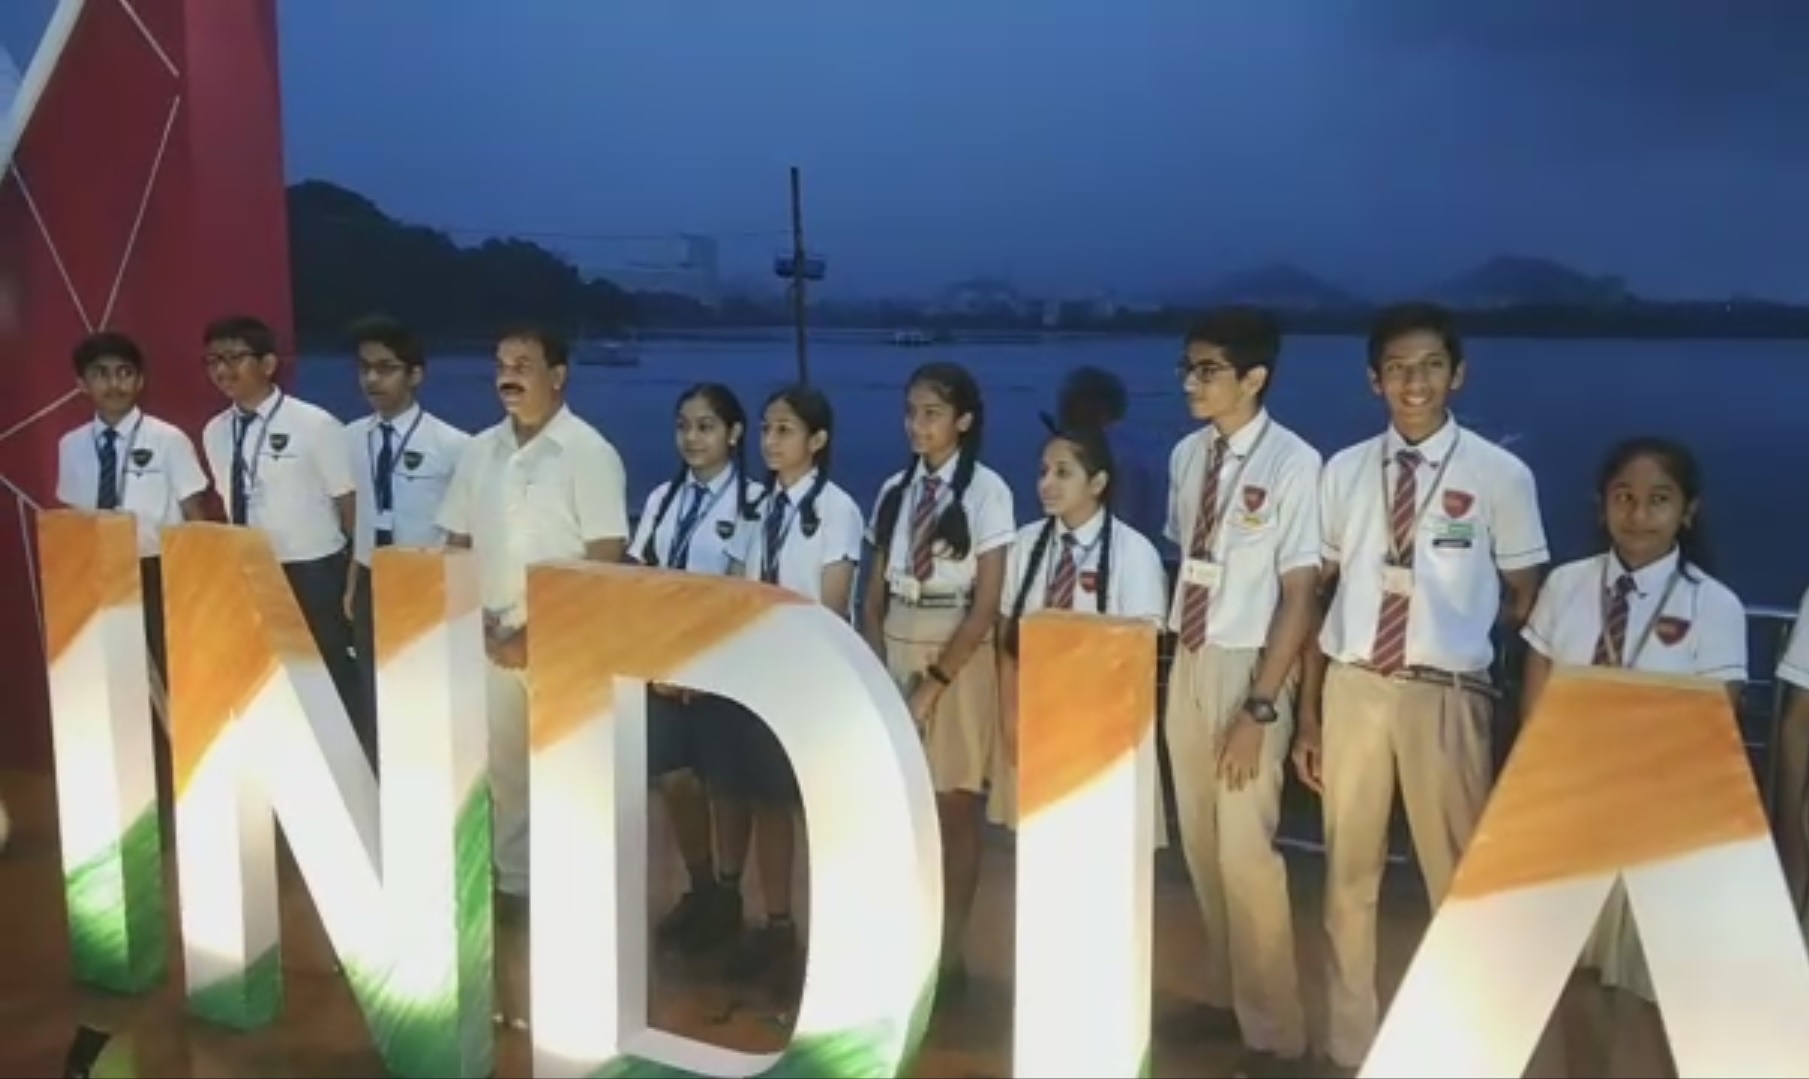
(141, 189)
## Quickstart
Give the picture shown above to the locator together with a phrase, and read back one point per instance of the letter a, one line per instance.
(1618, 776)
(600, 634)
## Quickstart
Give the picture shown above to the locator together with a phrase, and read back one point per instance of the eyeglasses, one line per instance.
(227, 359)
(1200, 372)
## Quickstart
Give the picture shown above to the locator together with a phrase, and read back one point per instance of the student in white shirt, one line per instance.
(281, 465)
(1428, 529)
(934, 576)
(1646, 603)
(540, 486)
(404, 457)
(807, 538)
(692, 522)
(128, 460)
(1080, 557)
(1244, 514)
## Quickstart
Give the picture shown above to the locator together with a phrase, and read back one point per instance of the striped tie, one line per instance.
(1611, 646)
(1196, 599)
(1059, 596)
(108, 499)
(1390, 652)
(923, 529)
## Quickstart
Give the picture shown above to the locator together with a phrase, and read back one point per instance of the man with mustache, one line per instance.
(282, 466)
(540, 486)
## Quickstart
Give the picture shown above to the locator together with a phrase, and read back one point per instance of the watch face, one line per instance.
(1261, 711)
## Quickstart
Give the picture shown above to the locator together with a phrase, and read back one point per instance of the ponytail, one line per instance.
(649, 555)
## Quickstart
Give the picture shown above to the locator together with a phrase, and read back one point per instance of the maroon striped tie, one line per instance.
(1059, 596)
(923, 529)
(1390, 652)
(1611, 645)
(1196, 600)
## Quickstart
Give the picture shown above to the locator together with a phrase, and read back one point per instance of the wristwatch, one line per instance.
(1261, 710)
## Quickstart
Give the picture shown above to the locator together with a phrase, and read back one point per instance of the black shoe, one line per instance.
(1199, 1023)
(679, 923)
(719, 919)
(1261, 1064)
(761, 952)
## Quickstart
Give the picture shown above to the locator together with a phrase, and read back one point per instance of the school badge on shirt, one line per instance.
(1089, 581)
(1458, 503)
(1670, 629)
(411, 460)
(279, 442)
(1254, 498)
(725, 529)
(141, 458)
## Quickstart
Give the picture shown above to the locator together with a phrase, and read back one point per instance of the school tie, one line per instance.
(1059, 596)
(1390, 652)
(386, 483)
(774, 538)
(680, 554)
(923, 530)
(1611, 645)
(241, 480)
(1196, 599)
(109, 471)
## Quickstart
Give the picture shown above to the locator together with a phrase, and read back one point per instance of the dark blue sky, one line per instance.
(1137, 146)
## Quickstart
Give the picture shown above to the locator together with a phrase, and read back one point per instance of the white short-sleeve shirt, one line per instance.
(1700, 631)
(802, 556)
(1268, 523)
(425, 450)
(545, 501)
(155, 469)
(710, 533)
(991, 522)
(1136, 587)
(1793, 666)
(296, 466)
(1481, 518)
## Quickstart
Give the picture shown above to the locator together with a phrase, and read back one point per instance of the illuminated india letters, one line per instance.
(260, 737)
(1619, 776)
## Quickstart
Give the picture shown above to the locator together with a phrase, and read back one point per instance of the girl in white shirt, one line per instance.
(806, 537)
(691, 523)
(1080, 557)
(937, 569)
(1646, 603)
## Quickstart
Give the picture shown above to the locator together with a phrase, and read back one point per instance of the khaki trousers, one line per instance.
(1435, 738)
(1228, 837)
(507, 704)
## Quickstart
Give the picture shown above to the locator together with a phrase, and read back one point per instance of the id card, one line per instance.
(1201, 573)
(909, 589)
(1397, 580)
(384, 521)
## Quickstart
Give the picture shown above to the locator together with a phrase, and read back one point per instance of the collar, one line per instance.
(403, 421)
(125, 424)
(1240, 444)
(796, 492)
(1647, 579)
(715, 484)
(1432, 449)
(945, 475)
(560, 425)
(1087, 534)
(265, 407)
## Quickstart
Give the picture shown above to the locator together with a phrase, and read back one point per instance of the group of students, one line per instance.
(1336, 612)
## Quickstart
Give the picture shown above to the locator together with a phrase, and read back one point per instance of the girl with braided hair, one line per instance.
(935, 571)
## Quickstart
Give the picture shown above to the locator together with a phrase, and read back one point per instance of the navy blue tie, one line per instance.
(774, 538)
(109, 471)
(386, 483)
(241, 480)
(680, 554)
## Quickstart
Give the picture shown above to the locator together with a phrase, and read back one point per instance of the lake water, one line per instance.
(1741, 405)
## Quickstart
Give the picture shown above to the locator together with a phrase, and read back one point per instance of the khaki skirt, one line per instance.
(961, 741)
(1614, 951)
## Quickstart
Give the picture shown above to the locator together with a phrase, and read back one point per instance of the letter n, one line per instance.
(598, 635)
(1618, 776)
(100, 712)
(260, 736)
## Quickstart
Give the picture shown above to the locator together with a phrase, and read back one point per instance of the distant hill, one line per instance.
(1281, 286)
(1521, 280)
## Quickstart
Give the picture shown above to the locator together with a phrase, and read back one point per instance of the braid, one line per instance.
(745, 507)
(649, 550)
(952, 526)
(891, 504)
(1104, 572)
(807, 509)
(1032, 569)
